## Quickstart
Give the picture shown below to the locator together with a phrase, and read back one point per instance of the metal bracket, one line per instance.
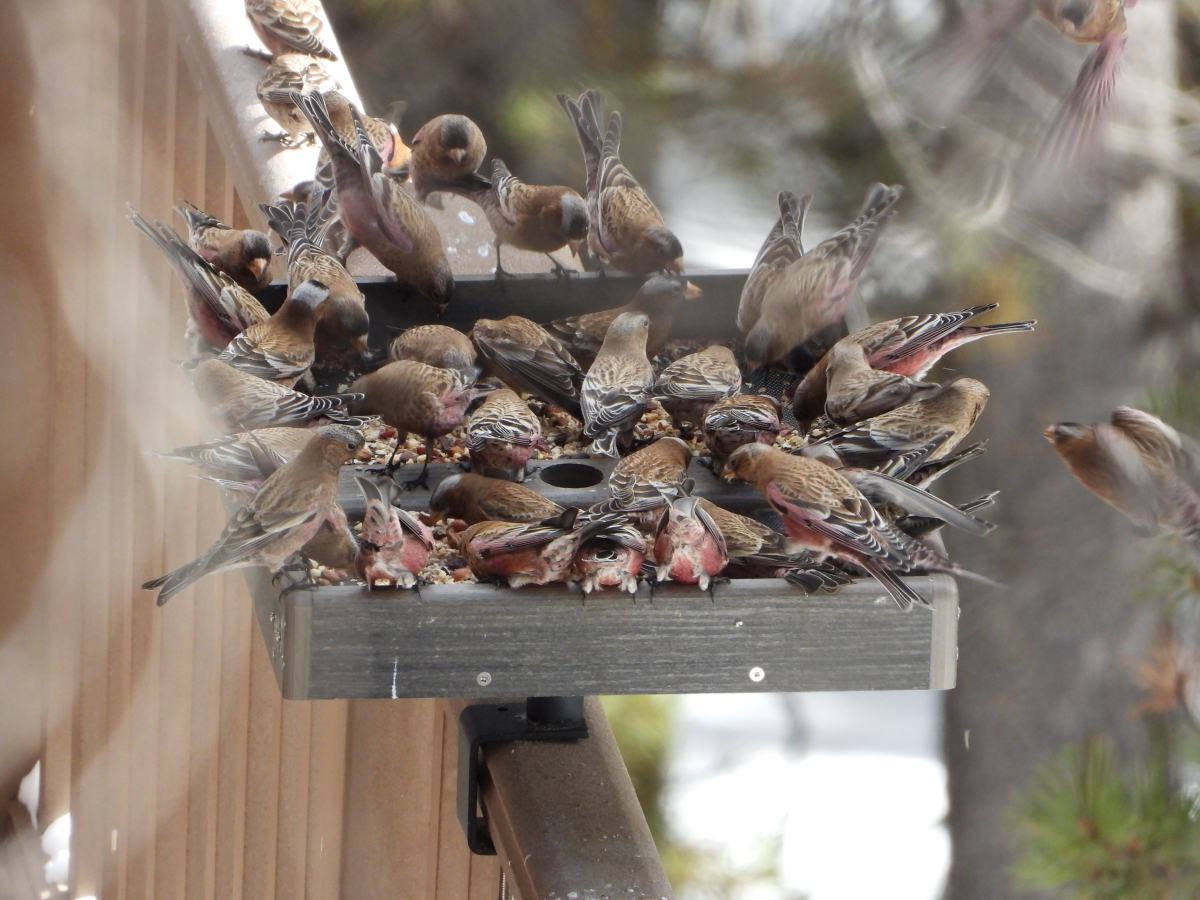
(537, 719)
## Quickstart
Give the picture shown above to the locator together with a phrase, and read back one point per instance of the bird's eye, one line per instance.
(349, 446)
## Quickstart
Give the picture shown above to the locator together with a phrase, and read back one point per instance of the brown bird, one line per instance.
(688, 547)
(1140, 466)
(242, 457)
(379, 214)
(284, 514)
(285, 26)
(740, 419)
(855, 391)
(658, 298)
(443, 151)
(944, 419)
(236, 401)
(334, 546)
(689, 387)
(781, 248)
(823, 512)
(626, 229)
(908, 346)
(529, 359)
(288, 74)
(613, 558)
(812, 294)
(503, 435)
(342, 321)
(218, 308)
(530, 554)
(243, 255)
(537, 218)
(411, 396)
(435, 345)
(395, 545)
(281, 348)
(618, 385)
(476, 498)
(638, 484)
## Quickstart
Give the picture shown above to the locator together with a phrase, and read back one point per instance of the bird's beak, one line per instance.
(257, 265)
(1050, 433)
(692, 292)
(676, 266)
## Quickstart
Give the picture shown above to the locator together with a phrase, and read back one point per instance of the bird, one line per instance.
(240, 457)
(533, 217)
(945, 419)
(474, 498)
(813, 293)
(281, 517)
(781, 248)
(618, 385)
(626, 230)
(395, 545)
(688, 547)
(342, 321)
(378, 213)
(523, 554)
(821, 511)
(639, 483)
(689, 387)
(613, 558)
(503, 435)
(909, 346)
(855, 391)
(444, 150)
(285, 26)
(218, 308)
(1140, 466)
(434, 345)
(526, 357)
(242, 254)
(288, 74)
(334, 546)
(658, 298)
(737, 420)
(411, 396)
(236, 401)
(281, 349)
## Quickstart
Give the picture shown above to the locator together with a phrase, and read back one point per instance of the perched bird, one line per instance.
(281, 348)
(640, 482)
(945, 419)
(284, 514)
(218, 308)
(613, 558)
(476, 498)
(537, 218)
(781, 248)
(530, 554)
(243, 255)
(236, 401)
(288, 74)
(334, 546)
(240, 457)
(526, 357)
(688, 546)
(434, 345)
(812, 294)
(689, 387)
(379, 214)
(285, 26)
(1140, 466)
(395, 545)
(740, 419)
(908, 346)
(411, 396)
(658, 298)
(342, 321)
(503, 435)
(618, 385)
(443, 151)
(822, 511)
(626, 229)
(855, 391)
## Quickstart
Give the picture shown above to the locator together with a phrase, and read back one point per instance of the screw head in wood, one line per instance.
(483, 679)
(757, 674)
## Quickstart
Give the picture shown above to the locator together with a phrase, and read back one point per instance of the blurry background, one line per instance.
(725, 103)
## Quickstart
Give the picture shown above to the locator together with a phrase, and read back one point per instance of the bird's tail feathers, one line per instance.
(904, 595)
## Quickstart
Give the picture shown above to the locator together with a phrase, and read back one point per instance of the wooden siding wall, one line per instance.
(161, 731)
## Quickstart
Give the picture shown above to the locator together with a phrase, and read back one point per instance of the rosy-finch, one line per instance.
(242, 254)
(395, 546)
(526, 357)
(289, 25)
(781, 248)
(626, 229)
(740, 419)
(689, 387)
(613, 558)
(281, 349)
(236, 401)
(434, 345)
(288, 74)
(688, 546)
(475, 498)
(284, 514)
(503, 435)
(638, 483)
(242, 457)
(444, 150)
(618, 385)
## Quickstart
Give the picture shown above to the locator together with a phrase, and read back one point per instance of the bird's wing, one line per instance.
(295, 24)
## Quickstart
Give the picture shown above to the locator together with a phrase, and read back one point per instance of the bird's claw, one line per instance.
(254, 53)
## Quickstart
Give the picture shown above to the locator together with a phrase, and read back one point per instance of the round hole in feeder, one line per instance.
(571, 475)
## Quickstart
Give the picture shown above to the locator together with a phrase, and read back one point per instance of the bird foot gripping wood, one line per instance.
(255, 53)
